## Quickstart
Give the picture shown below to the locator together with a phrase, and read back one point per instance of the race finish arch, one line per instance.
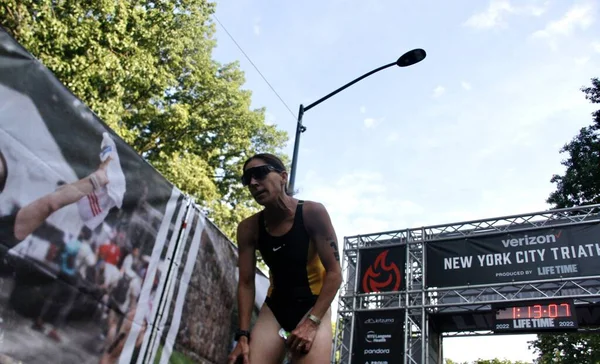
(406, 290)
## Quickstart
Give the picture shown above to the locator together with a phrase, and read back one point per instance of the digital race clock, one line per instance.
(543, 315)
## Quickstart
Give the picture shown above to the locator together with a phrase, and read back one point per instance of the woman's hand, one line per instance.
(242, 349)
(303, 336)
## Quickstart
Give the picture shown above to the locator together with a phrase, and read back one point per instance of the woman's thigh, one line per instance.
(266, 346)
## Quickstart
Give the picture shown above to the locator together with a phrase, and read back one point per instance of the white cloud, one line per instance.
(496, 12)
(363, 109)
(466, 85)
(578, 16)
(596, 46)
(372, 122)
(270, 118)
(535, 10)
(492, 17)
(392, 137)
(439, 91)
(582, 60)
(257, 26)
(360, 202)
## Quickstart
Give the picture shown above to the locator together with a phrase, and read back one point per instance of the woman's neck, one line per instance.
(281, 208)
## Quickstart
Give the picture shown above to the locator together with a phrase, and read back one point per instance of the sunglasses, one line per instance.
(258, 173)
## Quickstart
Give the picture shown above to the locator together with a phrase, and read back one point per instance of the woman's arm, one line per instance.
(247, 271)
(322, 233)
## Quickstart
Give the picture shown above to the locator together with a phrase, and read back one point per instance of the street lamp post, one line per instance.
(407, 59)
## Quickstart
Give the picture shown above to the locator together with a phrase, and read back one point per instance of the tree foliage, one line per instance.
(569, 348)
(579, 185)
(146, 68)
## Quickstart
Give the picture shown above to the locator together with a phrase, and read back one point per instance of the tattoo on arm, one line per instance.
(336, 254)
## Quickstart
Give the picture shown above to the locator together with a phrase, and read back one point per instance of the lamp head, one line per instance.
(411, 57)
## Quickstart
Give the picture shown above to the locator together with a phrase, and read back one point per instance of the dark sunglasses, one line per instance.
(258, 173)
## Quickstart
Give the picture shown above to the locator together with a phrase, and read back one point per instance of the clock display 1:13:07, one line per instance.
(535, 311)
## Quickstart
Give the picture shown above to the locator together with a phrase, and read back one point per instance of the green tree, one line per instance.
(579, 185)
(570, 348)
(146, 68)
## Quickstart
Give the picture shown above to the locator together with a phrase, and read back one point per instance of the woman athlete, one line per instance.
(298, 243)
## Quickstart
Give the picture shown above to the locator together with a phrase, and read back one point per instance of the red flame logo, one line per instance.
(373, 280)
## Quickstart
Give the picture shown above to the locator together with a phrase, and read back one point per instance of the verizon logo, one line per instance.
(532, 240)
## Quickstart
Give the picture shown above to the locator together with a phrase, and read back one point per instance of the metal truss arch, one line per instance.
(420, 304)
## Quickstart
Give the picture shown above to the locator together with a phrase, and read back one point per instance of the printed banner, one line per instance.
(200, 313)
(84, 222)
(382, 269)
(378, 337)
(570, 251)
(102, 260)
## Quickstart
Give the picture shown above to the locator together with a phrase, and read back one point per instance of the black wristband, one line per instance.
(241, 333)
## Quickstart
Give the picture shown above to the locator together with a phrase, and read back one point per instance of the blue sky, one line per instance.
(473, 131)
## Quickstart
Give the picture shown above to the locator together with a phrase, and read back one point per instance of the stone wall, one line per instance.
(207, 323)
